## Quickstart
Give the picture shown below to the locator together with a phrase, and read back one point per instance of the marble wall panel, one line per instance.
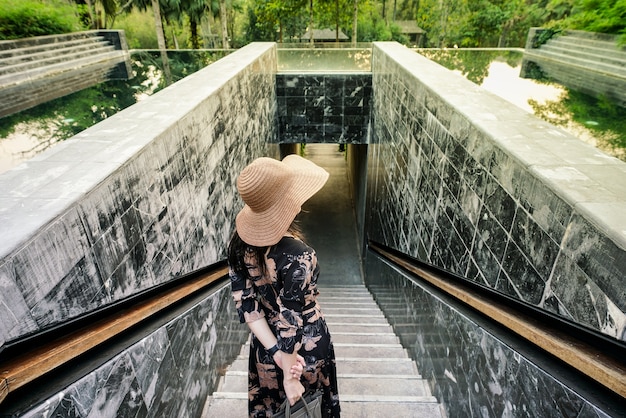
(324, 108)
(448, 185)
(472, 371)
(164, 209)
(170, 372)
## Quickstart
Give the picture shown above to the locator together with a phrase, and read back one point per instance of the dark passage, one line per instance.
(328, 220)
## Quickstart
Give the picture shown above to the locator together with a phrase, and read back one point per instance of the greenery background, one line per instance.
(212, 23)
(216, 24)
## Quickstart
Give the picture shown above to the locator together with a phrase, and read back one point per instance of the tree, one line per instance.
(158, 23)
(224, 23)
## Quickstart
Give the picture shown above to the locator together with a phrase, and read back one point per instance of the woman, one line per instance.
(274, 282)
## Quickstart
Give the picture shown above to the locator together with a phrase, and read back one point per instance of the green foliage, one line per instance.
(370, 30)
(26, 18)
(605, 16)
(139, 29)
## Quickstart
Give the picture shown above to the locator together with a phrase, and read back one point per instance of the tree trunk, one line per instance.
(92, 14)
(311, 23)
(195, 39)
(337, 21)
(224, 21)
(161, 42)
(354, 21)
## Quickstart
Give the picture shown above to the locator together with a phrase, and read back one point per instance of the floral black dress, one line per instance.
(286, 297)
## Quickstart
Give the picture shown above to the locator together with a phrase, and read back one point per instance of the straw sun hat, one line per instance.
(273, 192)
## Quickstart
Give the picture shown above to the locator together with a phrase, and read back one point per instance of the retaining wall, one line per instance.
(137, 200)
(465, 181)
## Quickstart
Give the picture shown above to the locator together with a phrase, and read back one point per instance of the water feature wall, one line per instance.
(462, 180)
(468, 182)
(135, 201)
(324, 108)
(42, 68)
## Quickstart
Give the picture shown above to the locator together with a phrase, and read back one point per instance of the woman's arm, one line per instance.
(292, 362)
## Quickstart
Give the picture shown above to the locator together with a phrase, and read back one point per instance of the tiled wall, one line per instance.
(137, 200)
(471, 371)
(169, 373)
(465, 181)
(324, 108)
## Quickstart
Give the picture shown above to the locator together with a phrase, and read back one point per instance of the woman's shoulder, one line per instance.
(290, 244)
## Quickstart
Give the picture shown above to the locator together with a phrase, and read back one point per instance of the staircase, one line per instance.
(375, 375)
(39, 69)
(588, 62)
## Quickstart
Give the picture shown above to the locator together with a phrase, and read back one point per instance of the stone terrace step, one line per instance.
(43, 50)
(375, 375)
(62, 57)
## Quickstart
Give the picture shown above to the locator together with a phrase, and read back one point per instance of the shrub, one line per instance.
(26, 18)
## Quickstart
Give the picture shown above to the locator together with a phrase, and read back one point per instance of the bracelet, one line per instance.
(272, 350)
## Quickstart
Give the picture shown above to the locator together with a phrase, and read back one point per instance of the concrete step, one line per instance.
(364, 337)
(606, 56)
(57, 59)
(14, 56)
(366, 385)
(235, 405)
(582, 43)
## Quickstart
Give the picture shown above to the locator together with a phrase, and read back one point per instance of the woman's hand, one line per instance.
(296, 369)
(293, 389)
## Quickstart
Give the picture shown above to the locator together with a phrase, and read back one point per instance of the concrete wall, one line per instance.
(468, 182)
(169, 372)
(587, 62)
(137, 200)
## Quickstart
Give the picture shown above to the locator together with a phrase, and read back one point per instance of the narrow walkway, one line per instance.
(376, 376)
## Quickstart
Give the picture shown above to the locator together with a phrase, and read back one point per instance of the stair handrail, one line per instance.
(97, 328)
(548, 332)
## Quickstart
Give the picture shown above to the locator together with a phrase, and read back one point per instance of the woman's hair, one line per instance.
(237, 250)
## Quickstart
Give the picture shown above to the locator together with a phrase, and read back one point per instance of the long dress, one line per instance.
(286, 297)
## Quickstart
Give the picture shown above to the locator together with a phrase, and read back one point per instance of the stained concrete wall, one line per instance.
(135, 201)
(466, 181)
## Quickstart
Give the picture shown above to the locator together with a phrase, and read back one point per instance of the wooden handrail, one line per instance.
(583, 357)
(19, 371)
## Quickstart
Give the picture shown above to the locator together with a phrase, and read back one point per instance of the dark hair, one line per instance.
(237, 250)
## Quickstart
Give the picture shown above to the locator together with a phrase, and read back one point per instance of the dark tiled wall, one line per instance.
(465, 181)
(323, 108)
(169, 373)
(135, 201)
(471, 371)
(164, 208)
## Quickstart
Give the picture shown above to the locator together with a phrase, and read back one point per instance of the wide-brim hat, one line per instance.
(273, 192)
